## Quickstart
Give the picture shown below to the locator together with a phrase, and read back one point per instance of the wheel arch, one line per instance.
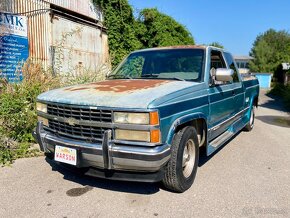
(255, 101)
(197, 120)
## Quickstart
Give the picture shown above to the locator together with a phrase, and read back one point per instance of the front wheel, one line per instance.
(250, 124)
(182, 167)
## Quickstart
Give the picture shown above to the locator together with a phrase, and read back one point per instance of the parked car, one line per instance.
(149, 119)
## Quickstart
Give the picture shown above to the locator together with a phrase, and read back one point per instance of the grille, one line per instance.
(77, 131)
(80, 113)
(82, 132)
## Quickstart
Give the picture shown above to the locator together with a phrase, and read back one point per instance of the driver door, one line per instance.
(221, 99)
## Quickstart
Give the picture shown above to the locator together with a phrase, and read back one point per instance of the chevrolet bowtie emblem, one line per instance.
(71, 121)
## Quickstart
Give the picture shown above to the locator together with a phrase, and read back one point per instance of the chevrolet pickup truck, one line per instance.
(151, 116)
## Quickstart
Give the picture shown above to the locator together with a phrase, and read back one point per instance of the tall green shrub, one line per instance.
(119, 21)
(282, 91)
(154, 29)
(18, 100)
(17, 107)
(269, 50)
(150, 29)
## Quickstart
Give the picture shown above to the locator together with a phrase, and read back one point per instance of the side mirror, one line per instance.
(224, 75)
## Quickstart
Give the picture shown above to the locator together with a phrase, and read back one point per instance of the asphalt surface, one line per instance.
(249, 177)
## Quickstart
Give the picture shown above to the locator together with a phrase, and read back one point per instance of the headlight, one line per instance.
(137, 118)
(43, 120)
(133, 118)
(41, 107)
(152, 136)
(132, 135)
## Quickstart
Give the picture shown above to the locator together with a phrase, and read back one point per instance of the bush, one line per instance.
(18, 106)
(17, 102)
(287, 97)
(86, 76)
(11, 150)
(6, 155)
(284, 92)
(17, 111)
(278, 89)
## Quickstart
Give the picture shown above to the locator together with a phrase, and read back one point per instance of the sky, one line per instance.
(235, 24)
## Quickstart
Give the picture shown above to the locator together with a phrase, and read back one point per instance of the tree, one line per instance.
(119, 20)
(269, 50)
(154, 28)
(216, 44)
(150, 29)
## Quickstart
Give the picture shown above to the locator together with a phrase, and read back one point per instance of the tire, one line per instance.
(49, 155)
(250, 124)
(180, 172)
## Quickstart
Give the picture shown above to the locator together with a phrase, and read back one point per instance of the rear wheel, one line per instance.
(182, 167)
(251, 122)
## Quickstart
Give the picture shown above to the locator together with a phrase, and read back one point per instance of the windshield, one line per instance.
(176, 64)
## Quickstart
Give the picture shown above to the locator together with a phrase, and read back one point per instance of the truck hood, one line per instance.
(135, 93)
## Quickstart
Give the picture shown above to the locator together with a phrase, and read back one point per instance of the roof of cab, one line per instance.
(179, 47)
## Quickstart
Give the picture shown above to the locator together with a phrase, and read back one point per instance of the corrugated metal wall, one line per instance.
(38, 26)
(85, 7)
(76, 46)
(83, 46)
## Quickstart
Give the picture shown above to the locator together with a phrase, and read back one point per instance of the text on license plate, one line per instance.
(65, 155)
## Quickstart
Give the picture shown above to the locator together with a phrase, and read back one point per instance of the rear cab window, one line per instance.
(222, 60)
(231, 64)
(216, 61)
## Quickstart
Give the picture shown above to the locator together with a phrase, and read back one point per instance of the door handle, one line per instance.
(233, 92)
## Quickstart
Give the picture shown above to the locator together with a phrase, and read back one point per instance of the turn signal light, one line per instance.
(154, 118)
(155, 136)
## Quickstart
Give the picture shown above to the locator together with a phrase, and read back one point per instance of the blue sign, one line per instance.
(13, 46)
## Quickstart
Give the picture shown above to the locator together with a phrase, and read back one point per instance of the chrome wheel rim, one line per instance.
(188, 159)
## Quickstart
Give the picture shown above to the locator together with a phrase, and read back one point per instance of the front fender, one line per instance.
(182, 120)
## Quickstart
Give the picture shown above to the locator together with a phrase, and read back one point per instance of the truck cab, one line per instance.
(149, 119)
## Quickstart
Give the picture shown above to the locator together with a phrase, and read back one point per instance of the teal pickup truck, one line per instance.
(149, 119)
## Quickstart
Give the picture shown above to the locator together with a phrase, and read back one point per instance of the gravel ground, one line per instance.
(249, 177)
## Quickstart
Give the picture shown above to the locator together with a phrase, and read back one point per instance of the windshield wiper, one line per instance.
(154, 75)
(173, 78)
(179, 79)
(116, 76)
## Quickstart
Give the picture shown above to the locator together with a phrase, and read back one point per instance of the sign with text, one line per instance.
(13, 46)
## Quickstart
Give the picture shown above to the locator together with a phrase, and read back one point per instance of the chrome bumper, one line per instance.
(108, 155)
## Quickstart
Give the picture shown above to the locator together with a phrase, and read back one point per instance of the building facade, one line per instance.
(243, 63)
(65, 35)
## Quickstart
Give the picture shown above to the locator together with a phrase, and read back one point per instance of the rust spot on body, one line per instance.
(120, 85)
(77, 89)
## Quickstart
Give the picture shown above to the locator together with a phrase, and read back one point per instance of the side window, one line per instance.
(231, 64)
(216, 61)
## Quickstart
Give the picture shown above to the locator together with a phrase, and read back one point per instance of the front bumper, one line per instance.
(109, 158)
